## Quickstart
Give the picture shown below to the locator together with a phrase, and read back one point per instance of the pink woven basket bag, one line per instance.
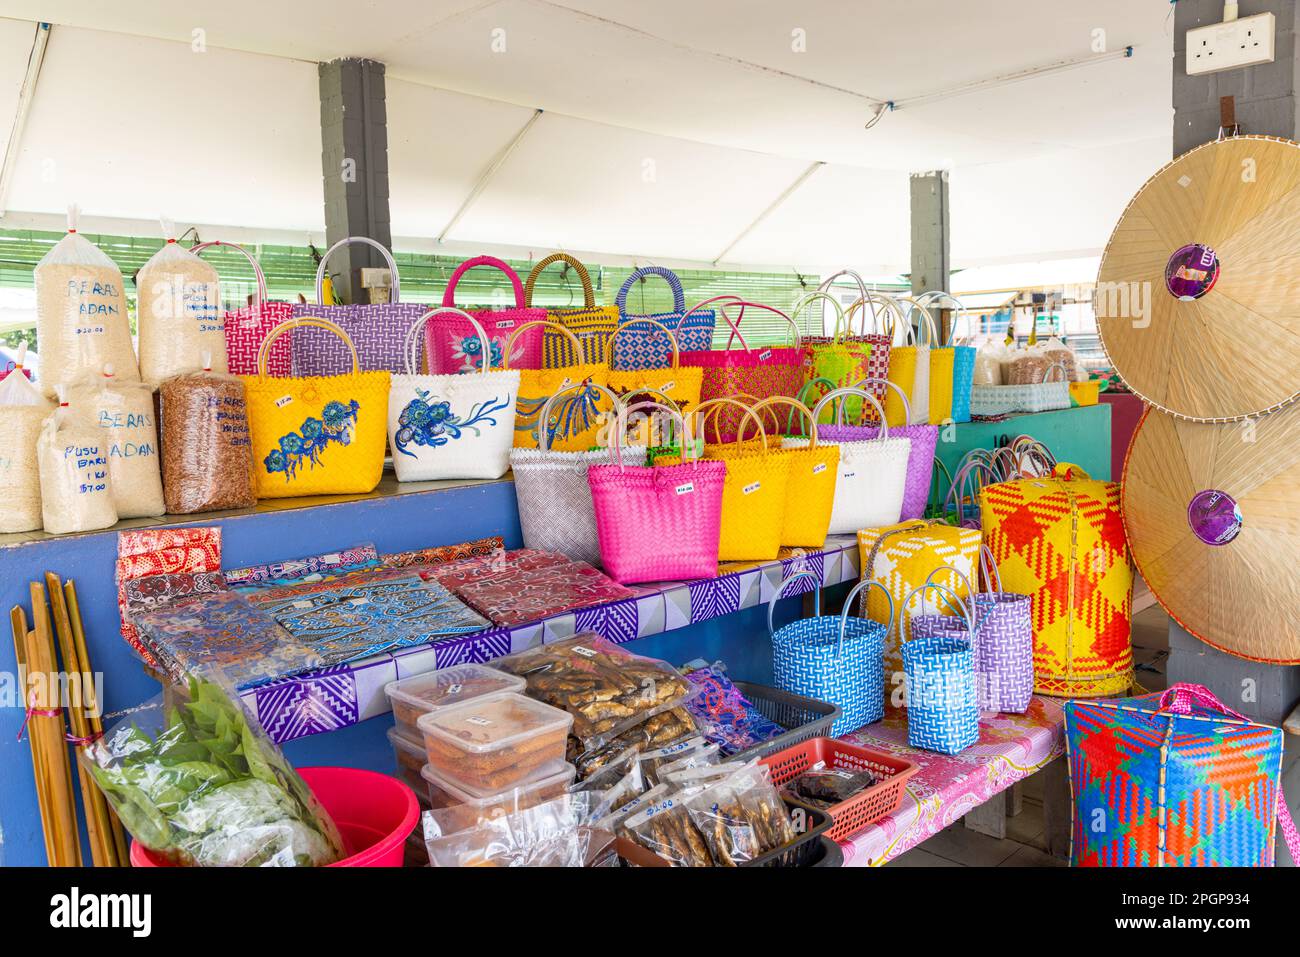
(247, 328)
(657, 523)
(761, 372)
(450, 345)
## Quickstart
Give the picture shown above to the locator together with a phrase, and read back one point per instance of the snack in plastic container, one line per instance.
(666, 828)
(825, 787)
(202, 785)
(556, 833)
(81, 318)
(456, 808)
(420, 694)
(124, 412)
(178, 313)
(409, 758)
(496, 744)
(76, 492)
(606, 688)
(206, 446)
(741, 816)
(23, 410)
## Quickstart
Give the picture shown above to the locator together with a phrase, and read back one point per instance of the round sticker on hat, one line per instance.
(1214, 516)
(1192, 271)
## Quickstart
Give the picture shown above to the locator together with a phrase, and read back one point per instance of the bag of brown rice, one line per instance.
(207, 448)
(22, 411)
(124, 411)
(81, 319)
(179, 315)
(75, 491)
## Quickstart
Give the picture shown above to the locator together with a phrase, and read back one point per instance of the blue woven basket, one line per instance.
(942, 695)
(833, 658)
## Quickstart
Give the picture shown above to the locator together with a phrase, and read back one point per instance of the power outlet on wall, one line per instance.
(1231, 45)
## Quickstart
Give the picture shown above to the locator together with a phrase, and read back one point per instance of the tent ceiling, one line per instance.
(711, 96)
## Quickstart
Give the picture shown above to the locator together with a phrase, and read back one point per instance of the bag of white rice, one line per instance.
(207, 448)
(75, 491)
(178, 312)
(124, 411)
(22, 411)
(81, 320)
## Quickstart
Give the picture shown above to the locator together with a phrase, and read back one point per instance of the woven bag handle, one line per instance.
(861, 393)
(957, 491)
(584, 277)
(645, 272)
(803, 395)
(970, 590)
(938, 470)
(933, 297)
(864, 295)
(809, 298)
(388, 258)
(259, 296)
(1065, 373)
(547, 323)
(817, 605)
(848, 603)
(544, 416)
(655, 394)
(1069, 472)
(890, 310)
(710, 403)
(672, 337)
(795, 406)
(625, 410)
(780, 593)
(926, 324)
(735, 326)
(411, 347)
(989, 565)
(1180, 698)
(711, 417)
(449, 294)
(315, 322)
(876, 380)
(951, 596)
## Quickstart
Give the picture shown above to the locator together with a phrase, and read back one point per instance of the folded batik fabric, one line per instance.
(460, 573)
(516, 595)
(445, 554)
(296, 569)
(148, 552)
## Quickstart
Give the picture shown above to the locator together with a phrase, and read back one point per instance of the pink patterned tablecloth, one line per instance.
(1011, 747)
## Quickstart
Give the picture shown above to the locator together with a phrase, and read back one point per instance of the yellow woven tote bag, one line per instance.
(590, 323)
(810, 491)
(679, 384)
(576, 420)
(316, 435)
(1061, 540)
(754, 494)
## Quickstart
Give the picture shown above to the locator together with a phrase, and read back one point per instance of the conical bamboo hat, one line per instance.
(1220, 228)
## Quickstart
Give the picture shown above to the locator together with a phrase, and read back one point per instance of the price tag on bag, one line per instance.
(753, 487)
(685, 488)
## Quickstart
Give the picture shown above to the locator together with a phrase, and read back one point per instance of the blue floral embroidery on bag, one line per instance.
(335, 425)
(429, 422)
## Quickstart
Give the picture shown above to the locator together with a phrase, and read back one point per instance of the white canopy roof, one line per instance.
(670, 127)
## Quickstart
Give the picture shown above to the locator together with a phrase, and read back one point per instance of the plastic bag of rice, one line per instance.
(22, 411)
(207, 448)
(124, 411)
(73, 459)
(179, 314)
(81, 319)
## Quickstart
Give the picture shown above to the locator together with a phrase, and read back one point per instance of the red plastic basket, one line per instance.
(864, 808)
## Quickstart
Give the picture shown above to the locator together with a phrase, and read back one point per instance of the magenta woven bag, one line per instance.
(657, 523)
(762, 372)
(450, 345)
(920, 461)
(248, 327)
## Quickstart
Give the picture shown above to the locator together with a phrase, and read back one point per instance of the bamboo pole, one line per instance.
(93, 805)
(50, 728)
(90, 695)
(19, 621)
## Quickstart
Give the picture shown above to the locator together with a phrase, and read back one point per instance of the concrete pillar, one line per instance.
(931, 233)
(354, 167)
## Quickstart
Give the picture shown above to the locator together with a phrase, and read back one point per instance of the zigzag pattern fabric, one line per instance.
(1154, 788)
(1061, 540)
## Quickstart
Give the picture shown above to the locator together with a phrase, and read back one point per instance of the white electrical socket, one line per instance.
(1232, 45)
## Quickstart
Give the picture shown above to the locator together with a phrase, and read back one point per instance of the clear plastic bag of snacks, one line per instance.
(741, 816)
(555, 834)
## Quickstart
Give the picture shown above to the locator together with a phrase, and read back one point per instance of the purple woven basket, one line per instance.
(1005, 658)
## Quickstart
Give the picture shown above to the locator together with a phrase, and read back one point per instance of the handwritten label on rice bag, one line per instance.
(685, 488)
(753, 487)
(284, 400)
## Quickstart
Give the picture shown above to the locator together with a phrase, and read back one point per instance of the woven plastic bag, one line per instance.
(1067, 529)
(590, 323)
(877, 360)
(181, 325)
(1174, 779)
(810, 488)
(649, 348)
(317, 435)
(939, 667)
(75, 492)
(81, 318)
(677, 384)
(450, 426)
(837, 359)
(124, 411)
(577, 419)
(247, 327)
(207, 448)
(23, 410)
(448, 348)
(832, 658)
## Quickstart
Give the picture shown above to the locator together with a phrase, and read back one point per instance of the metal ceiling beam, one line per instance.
(775, 205)
(25, 94)
(488, 174)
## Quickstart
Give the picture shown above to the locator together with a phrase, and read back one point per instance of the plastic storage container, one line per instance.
(410, 757)
(493, 745)
(421, 694)
(462, 808)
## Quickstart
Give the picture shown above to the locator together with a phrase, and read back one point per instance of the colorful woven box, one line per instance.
(1061, 540)
(1173, 780)
(901, 557)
